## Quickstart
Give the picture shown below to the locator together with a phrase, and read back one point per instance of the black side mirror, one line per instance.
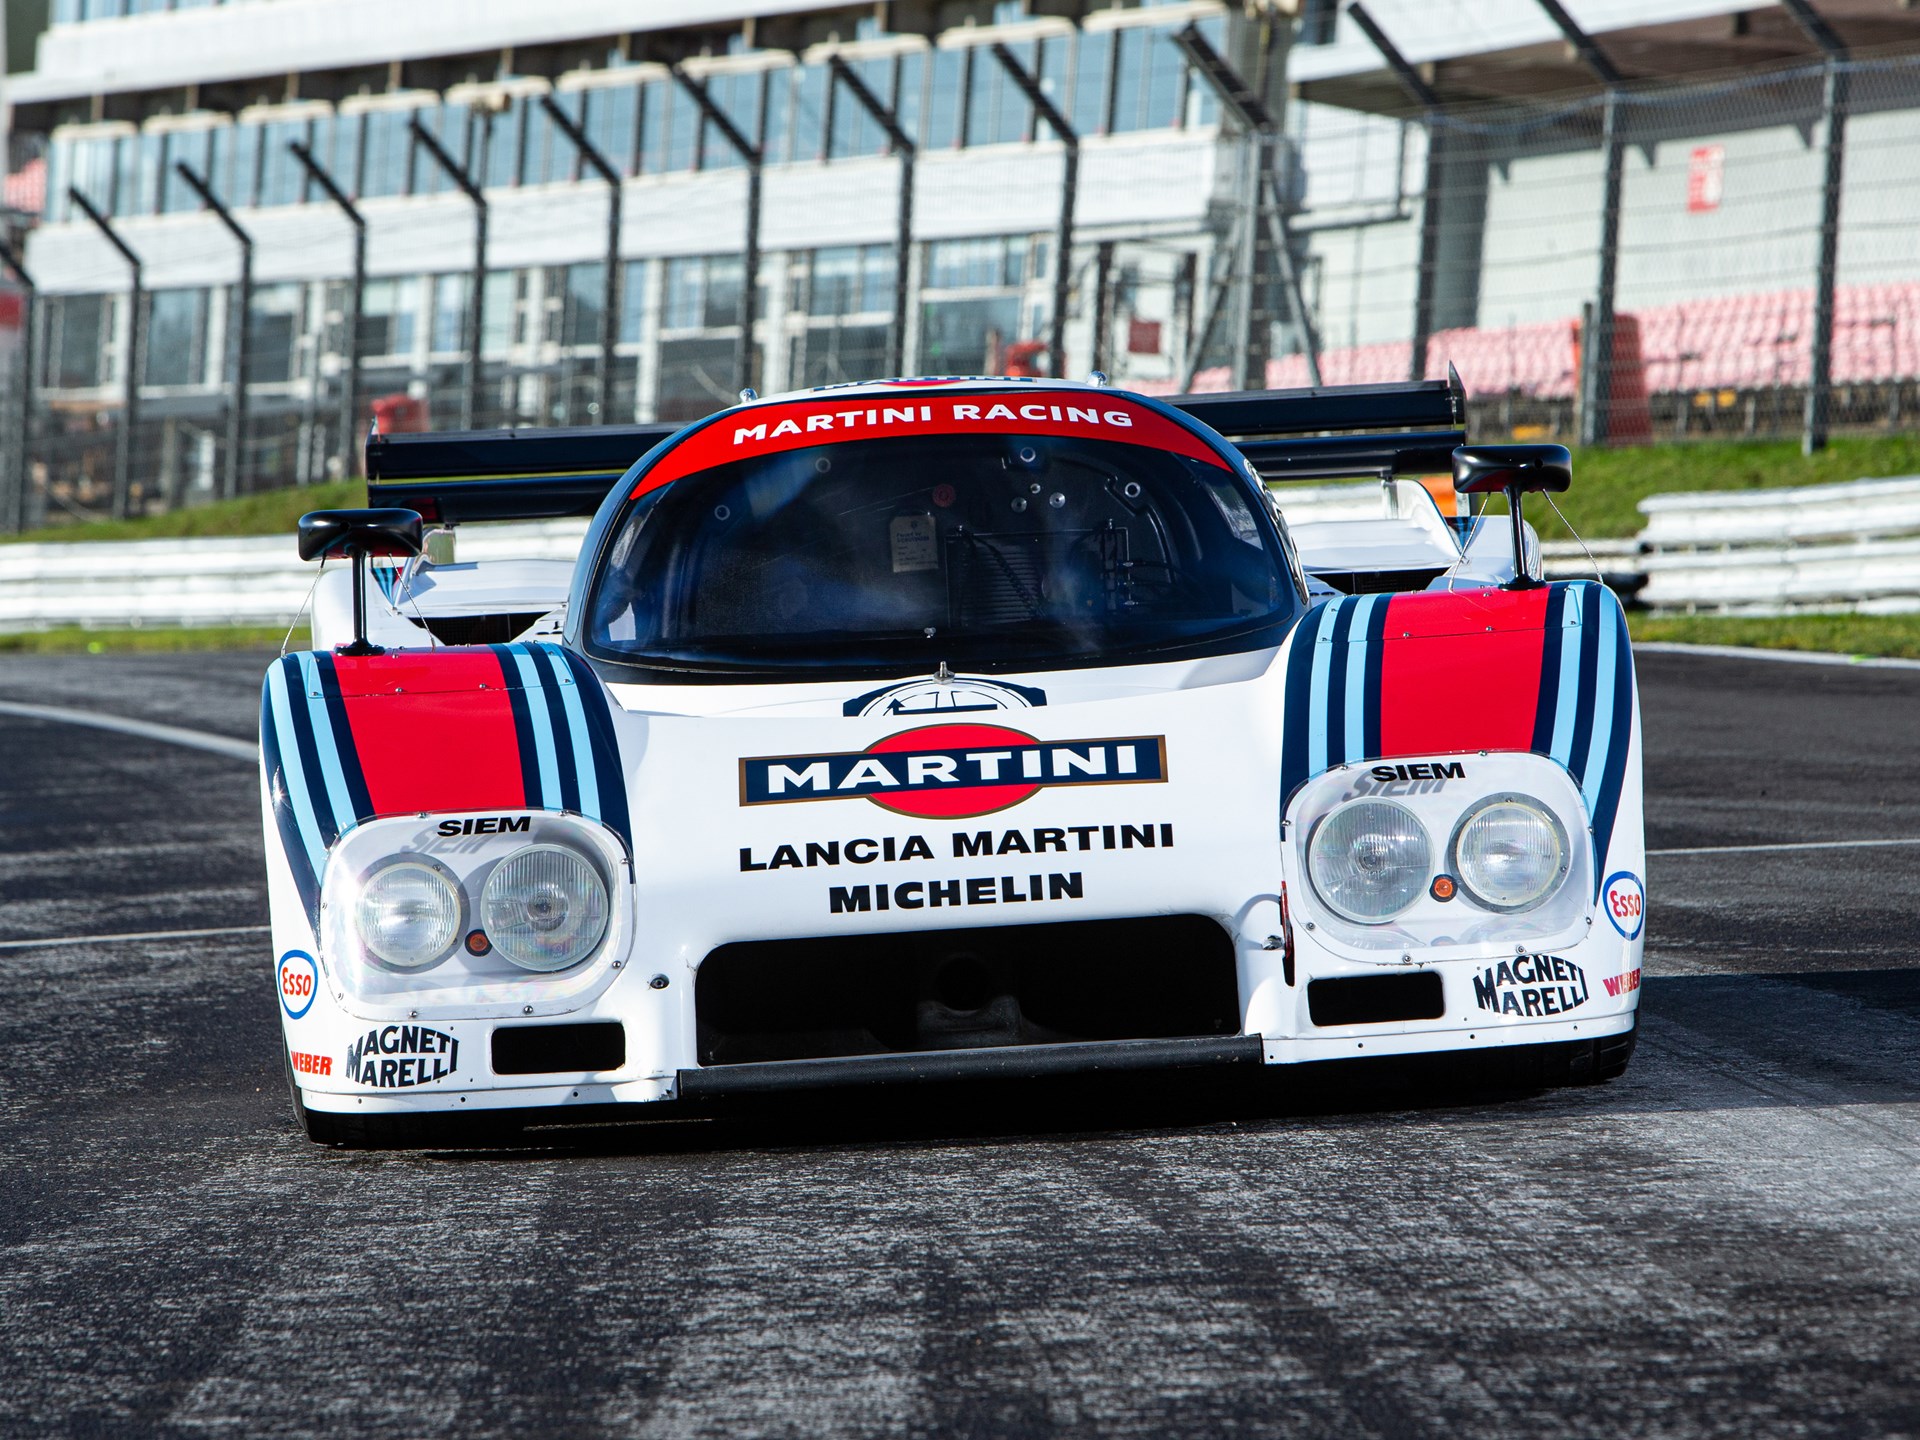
(1514, 470)
(358, 534)
(1488, 469)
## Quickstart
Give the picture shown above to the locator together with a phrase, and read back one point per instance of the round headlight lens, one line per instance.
(409, 914)
(544, 907)
(1370, 860)
(1510, 853)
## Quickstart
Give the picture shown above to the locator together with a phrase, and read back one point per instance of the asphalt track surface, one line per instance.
(1726, 1241)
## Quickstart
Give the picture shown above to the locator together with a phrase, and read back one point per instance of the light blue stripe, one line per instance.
(543, 745)
(292, 776)
(1317, 698)
(582, 737)
(324, 746)
(1357, 678)
(1603, 681)
(1568, 699)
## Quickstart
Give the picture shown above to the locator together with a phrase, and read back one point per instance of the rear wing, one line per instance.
(455, 476)
(1404, 429)
(1321, 433)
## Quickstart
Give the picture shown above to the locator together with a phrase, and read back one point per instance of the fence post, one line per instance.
(242, 345)
(1069, 195)
(14, 500)
(1430, 202)
(135, 362)
(355, 298)
(477, 301)
(1833, 114)
(610, 292)
(1596, 344)
(885, 117)
(748, 151)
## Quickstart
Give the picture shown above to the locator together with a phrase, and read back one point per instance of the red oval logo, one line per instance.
(981, 743)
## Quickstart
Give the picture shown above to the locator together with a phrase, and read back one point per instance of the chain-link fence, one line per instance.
(1724, 258)
(1734, 258)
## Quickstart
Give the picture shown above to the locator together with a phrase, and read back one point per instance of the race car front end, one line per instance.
(994, 739)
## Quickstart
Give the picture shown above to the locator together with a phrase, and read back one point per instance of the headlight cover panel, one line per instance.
(465, 984)
(1440, 791)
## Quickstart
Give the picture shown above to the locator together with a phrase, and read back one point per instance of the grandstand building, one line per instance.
(1481, 249)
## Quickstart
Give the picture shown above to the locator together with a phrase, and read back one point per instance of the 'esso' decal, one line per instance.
(299, 977)
(1625, 903)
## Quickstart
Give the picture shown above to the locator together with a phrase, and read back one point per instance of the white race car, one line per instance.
(934, 729)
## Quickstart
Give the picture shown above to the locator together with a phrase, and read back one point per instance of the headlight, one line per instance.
(409, 914)
(544, 907)
(1370, 860)
(1509, 853)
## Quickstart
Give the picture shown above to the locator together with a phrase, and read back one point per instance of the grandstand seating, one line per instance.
(1726, 342)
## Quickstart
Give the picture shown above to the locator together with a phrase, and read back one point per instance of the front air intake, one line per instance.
(1376, 999)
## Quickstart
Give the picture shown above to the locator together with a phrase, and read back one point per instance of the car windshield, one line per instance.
(1000, 551)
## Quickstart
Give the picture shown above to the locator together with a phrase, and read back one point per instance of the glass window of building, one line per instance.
(681, 143)
(650, 149)
(387, 316)
(582, 296)
(273, 333)
(703, 292)
(610, 115)
(137, 190)
(696, 377)
(504, 319)
(449, 336)
(194, 149)
(177, 338)
(805, 119)
(79, 353)
(1092, 82)
(633, 301)
(970, 308)
(945, 96)
(283, 181)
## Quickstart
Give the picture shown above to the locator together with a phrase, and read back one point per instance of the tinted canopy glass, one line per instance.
(986, 551)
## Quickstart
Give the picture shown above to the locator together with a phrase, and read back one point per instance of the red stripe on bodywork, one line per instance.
(751, 431)
(434, 730)
(1461, 671)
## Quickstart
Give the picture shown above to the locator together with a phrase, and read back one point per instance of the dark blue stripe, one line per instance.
(292, 843)
(1335, 699)
(1376, 668)
(357, 794)
(1294, 718)
(1606, 807)
(569, 765)
(606, 746)
(1589, 667)
(522, 727)
(1559, 597)
(309, 752)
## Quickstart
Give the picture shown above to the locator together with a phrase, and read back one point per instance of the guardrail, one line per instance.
(250, 580)
(1851, 546)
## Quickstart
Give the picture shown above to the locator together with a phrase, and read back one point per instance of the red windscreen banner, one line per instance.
(758, 430)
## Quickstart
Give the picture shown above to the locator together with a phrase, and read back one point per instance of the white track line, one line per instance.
(48, 944)
(145, 729)
(1752, 652)
(1787, 845)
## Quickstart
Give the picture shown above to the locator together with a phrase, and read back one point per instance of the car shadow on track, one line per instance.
(1709, 1042)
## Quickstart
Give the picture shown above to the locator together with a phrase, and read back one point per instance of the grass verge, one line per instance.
(151, 639)
(272, 512)
(1897, 636)
(1608, 485)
